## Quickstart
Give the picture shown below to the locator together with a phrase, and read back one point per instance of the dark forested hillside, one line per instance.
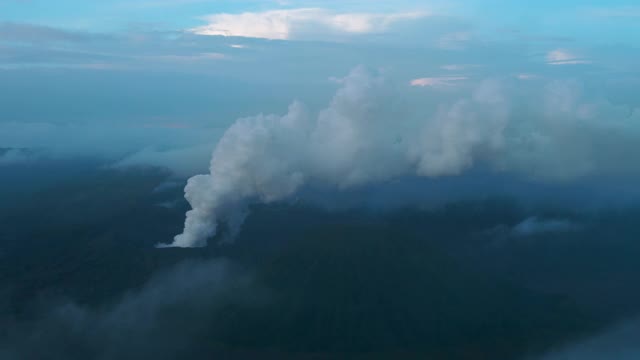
(479, 279)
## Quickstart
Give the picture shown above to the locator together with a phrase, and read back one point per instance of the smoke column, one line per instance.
(367, 135)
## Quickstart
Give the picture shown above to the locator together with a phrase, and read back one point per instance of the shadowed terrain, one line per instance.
(455, 281)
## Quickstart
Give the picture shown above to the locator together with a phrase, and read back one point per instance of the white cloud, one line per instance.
(293, 24)
(458, 67)
(438, 82)
(564, 57)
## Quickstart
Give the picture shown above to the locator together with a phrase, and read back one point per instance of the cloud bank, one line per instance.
(183, 162)
(368, 135)
(293, 24)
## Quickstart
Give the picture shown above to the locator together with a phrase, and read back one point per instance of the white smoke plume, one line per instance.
(368, 135)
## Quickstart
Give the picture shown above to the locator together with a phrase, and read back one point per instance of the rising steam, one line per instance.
(368, 135)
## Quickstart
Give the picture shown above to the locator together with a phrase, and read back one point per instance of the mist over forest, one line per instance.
(490, 276)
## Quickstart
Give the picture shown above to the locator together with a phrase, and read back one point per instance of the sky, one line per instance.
(130, 80)
(566, 18)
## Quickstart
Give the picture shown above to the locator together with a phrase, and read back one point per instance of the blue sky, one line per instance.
(565, 18)
(119, 77)
(591, 22)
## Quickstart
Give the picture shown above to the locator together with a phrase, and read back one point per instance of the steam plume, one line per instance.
(359, 138)
(367, 135)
